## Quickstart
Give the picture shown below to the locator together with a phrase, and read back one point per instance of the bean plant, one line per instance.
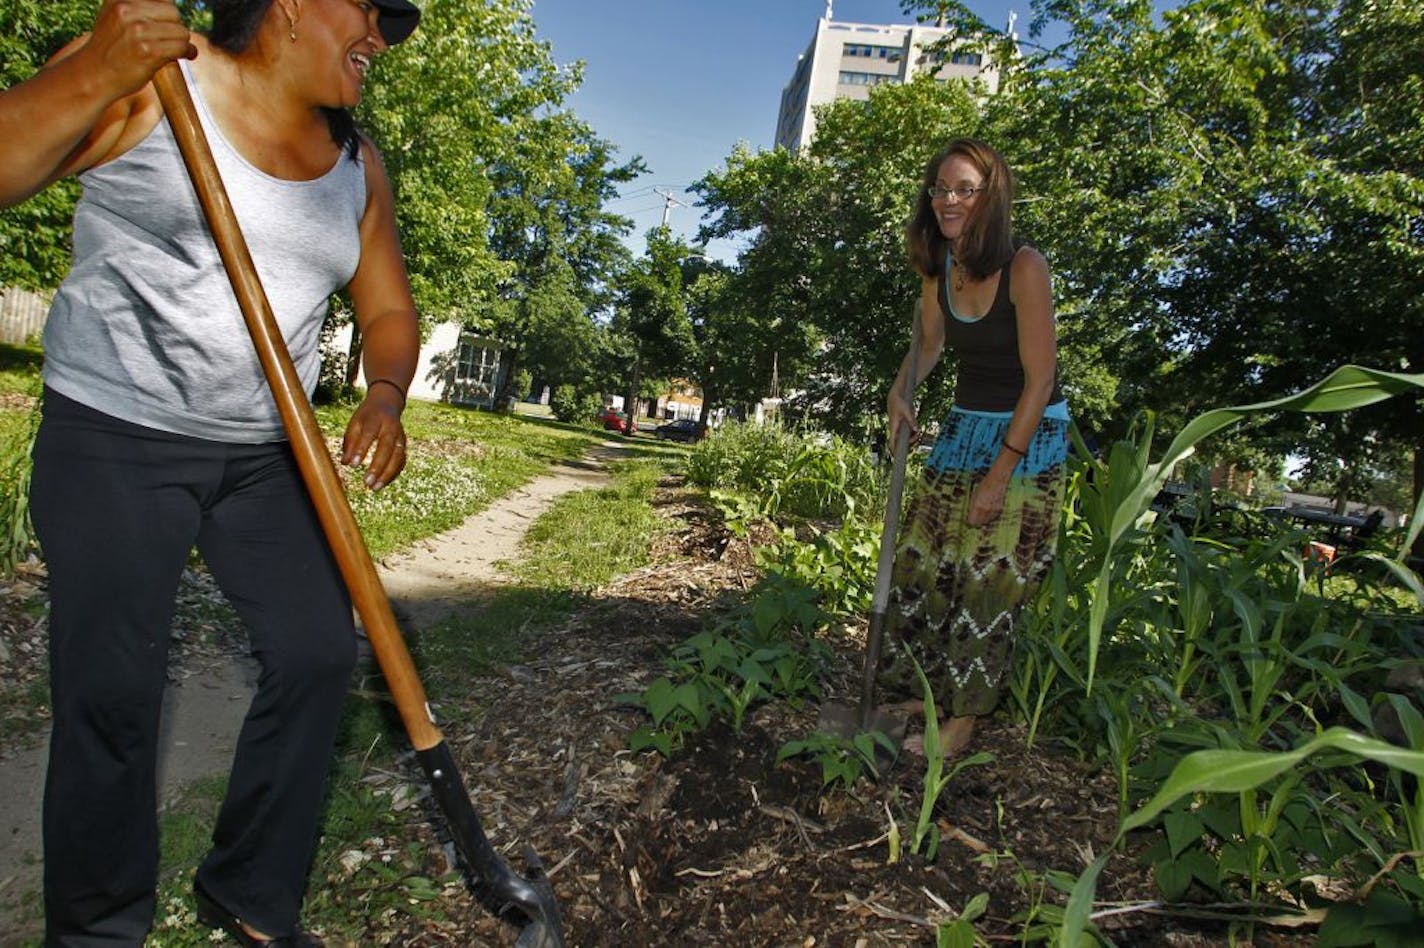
(763, 651)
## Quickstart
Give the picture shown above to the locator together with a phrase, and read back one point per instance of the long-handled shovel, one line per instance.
(504, 892)
(865, 718)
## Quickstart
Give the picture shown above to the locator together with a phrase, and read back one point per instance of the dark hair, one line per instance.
(987, 242)
(235, 26)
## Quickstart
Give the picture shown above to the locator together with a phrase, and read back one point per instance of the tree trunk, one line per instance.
(506, 396)
(353, 356)
(630, 400)
(1418, 548)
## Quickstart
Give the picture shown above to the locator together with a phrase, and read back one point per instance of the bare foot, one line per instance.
(909, 706)
(954, 737)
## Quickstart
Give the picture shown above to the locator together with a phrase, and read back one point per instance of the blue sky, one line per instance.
(681, 82)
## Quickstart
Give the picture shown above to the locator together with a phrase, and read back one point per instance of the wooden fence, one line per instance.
(22, 315)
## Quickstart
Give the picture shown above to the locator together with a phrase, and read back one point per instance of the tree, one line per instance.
(500, 191)
(650, 322)
(1231, 203)
(563, 246)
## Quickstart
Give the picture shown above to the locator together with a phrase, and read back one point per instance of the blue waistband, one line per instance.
(1058, 411)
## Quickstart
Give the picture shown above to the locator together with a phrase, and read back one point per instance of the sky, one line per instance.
(680, 82)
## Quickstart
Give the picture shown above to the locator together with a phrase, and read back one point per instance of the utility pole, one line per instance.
(668, 202)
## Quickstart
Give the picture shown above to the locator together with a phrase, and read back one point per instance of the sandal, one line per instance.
(214, 915)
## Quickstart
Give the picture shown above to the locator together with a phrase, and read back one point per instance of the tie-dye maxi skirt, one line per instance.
(958, 591)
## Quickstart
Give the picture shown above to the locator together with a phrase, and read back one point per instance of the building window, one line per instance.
(892, 53)
(476, 372)
(864, 78)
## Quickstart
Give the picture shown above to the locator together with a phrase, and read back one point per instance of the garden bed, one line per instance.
(722, 845)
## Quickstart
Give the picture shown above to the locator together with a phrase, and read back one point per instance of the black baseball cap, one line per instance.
(398, 19)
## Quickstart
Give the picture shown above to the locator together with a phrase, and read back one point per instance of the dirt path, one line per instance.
(204, 707)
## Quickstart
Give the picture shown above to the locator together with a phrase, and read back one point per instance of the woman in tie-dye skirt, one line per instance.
(981, 533)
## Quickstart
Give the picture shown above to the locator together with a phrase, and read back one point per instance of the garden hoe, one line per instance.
(866, 719)
(527, 902)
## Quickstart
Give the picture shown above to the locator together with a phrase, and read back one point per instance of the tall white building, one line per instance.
(844, 60)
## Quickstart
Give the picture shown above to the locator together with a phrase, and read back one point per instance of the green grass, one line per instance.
(591, 536)
(20, 369)
(461, 460)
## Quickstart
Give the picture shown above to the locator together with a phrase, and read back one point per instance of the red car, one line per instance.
(614, 420)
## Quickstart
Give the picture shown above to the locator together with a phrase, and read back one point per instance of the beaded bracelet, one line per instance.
(391, 384)
(1022, 454)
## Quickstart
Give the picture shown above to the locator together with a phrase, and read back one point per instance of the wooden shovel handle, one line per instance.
(318, 470)
(885, 564)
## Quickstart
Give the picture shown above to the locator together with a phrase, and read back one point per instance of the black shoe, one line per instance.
(213, 915)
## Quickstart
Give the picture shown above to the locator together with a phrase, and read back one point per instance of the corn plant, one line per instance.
(826, 481)
(926, 834)
(1241, 772)
(796, 474)
(1131, 481)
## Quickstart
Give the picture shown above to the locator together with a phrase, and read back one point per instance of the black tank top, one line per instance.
(990, 374)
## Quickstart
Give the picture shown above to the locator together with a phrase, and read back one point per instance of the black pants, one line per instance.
(117, 508)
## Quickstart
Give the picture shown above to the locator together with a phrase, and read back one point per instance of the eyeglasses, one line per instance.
(964, 194)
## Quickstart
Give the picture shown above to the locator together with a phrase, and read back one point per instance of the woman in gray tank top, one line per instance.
(159, 433)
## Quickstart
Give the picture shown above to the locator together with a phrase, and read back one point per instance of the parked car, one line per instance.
(681, 429)
(614, 420)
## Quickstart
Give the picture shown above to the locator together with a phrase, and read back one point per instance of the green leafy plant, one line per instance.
(843, 760)
(838, 564)
(677, 709)
(804, 475)
(570, 405)
(16, 531)
(727, 670)
(958, 932)
(1232, 772)
(1129, 485)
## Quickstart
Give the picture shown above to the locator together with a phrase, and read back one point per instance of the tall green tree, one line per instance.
(563, 247)
(650, 323)
(446, 107)
(1228, 210)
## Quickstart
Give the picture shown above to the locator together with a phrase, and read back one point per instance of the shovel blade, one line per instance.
(527, 902)
(847, 721)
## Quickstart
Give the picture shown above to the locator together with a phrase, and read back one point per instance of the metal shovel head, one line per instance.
(844, 720)
(525, 901)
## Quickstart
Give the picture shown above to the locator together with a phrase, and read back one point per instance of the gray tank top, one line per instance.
(146, 327)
